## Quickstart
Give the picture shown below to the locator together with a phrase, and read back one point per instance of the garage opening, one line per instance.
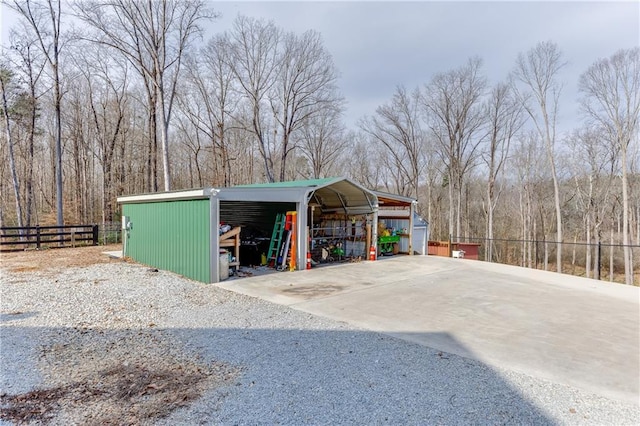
(256, 221)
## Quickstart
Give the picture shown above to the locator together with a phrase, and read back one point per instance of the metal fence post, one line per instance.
(599, 268)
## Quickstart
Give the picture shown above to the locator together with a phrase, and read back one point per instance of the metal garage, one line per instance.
(179, 230)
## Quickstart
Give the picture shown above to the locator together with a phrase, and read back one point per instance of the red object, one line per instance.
(287, 222)
(372, 253)
(308, 260)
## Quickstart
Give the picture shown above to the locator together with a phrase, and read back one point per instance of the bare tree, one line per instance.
(44, 18)
(504, 116)
(106, 80)
(30, 65)
(286, 79)
(254, 61)
(153, 36)
(397, 126)
(611, 100)
(305, 88)
(530, 180)
(594, 168)
(5, 82)
(322, 141)
(453, 106)
(537, 71)
(366, 170)
(211, 100)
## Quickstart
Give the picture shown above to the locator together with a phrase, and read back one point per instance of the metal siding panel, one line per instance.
(257, 216)
(171, 235)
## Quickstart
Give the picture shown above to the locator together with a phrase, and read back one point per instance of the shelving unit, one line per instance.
(339, 239)
(232, 239)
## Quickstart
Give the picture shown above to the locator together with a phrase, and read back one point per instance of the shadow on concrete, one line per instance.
(293, 376)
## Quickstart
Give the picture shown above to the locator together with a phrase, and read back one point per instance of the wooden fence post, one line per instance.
(38, 237)
(95, 235)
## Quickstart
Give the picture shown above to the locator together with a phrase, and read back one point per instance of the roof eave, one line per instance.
(192, 194)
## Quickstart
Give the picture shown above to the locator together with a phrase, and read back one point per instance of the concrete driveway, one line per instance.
(569, 330)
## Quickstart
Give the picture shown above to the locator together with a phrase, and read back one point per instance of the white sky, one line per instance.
(379, 45)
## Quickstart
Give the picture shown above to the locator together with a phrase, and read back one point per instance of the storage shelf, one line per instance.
(232, 239)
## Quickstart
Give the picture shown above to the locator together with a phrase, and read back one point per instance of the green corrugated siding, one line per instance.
(172, 235)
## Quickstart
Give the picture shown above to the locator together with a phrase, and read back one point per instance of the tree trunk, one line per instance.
(12, 163)
(451, 206)
(587, 262)
(164, 138)
(628, 260)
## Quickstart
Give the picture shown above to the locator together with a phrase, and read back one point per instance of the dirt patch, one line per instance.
(126, 377)
(39, 260)
(121, 395)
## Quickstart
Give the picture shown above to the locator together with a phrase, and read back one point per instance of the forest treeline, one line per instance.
(105, 98)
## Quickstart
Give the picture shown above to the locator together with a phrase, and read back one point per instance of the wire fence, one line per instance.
(109, 233)
(602, 260)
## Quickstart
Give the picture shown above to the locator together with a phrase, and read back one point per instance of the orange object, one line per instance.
(372, 253)
(294, 236)
(308, 260)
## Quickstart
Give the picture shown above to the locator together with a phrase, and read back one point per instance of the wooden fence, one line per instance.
(447, 249)
(20, 238)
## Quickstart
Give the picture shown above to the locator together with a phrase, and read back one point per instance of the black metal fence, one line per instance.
(603, 260)
(21, 238)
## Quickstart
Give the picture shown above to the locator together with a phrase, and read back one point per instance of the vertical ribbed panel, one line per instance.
(171, 235)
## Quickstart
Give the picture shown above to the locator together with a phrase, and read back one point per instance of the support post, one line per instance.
(214, 239)
(374, 231)
(412, 210)
(599, 266)
(302, 235)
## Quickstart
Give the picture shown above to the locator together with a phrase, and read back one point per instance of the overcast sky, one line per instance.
(379, 45)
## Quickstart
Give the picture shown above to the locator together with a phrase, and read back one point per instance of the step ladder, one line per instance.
(276, 239)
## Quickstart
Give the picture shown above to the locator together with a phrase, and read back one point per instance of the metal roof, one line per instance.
(335, 193)
(393, 200)
(308, 183)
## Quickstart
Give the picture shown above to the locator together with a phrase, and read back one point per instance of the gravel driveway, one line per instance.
(119, 343)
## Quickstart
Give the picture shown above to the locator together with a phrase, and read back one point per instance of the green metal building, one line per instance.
(178, 230)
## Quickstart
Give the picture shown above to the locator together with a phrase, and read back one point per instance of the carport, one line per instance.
(179, 230)
(398, 212)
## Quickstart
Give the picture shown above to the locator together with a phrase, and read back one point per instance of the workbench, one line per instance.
(232, 239)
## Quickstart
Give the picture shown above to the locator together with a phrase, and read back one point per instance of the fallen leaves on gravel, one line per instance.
(130, 377)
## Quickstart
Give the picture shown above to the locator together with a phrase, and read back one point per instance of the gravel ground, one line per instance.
(119, 343)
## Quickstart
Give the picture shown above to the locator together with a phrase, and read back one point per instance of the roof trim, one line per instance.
(307, 183)
(192, 194)
(386, 199)
(393, 196)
